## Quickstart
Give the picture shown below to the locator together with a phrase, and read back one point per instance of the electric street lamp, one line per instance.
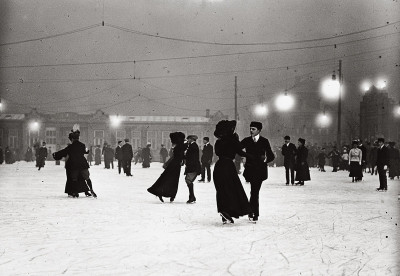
(284, 102)
(324, 120)
(115, 120)
(332, 89)
(34, 126)
(381, 84)
(261, 110)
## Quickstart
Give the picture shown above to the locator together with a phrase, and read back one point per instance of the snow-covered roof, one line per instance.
(182, 119)
(12, 116)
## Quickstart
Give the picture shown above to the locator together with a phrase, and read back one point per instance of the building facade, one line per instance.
(379, 116)
(18, 131)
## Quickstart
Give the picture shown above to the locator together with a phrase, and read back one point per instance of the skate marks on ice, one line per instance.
(327, 227)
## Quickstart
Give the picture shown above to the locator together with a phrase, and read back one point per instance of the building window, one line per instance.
(120, 135)
(51, 136)
(152, 138)
(165, 140)
(98, 137)
(13, 138)
(136, 139)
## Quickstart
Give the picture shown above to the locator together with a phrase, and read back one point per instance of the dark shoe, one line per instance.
(70, 195)
(227, 217)
(93, 194)
(75, 195)
(160, 198)
(87, 194)
(209, 180)
(201, 180)
(191, 200)
(297, 183)
(172, 199)
(287, 184)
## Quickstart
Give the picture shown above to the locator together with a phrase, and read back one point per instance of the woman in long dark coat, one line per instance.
(146, 155)
(75, 160)
(301, 165)
(232, 201)
(167, 184)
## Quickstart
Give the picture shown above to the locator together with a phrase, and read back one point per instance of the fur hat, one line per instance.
(286, 137)
(126, 140)
(301, 140)
(257, 125)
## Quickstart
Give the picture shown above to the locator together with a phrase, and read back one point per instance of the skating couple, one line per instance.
(296, 160)
(167, 184)
(232, 201)
(76, 167)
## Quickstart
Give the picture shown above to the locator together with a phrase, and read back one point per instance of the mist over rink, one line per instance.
(330, 226)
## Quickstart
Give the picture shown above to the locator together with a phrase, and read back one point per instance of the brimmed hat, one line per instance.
(126, 140)
(381, 140)
(257, 125)
(301, 140)
(355, 142)
(224, 128)
(177, 137)
(286, 137)
(194, 137)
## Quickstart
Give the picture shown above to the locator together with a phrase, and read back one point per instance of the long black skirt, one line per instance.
(75, 187)
(231, 197)
(167, 184)
(355, 169)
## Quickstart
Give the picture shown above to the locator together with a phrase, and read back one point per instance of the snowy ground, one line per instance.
(330, 226)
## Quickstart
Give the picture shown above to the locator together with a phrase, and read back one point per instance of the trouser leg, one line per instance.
(254, 195)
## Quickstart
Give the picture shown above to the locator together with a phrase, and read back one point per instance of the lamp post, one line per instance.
(339, 130)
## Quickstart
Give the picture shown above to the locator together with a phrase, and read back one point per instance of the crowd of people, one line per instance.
(230, 152)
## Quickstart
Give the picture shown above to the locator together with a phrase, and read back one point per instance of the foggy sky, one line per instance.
(159, 87)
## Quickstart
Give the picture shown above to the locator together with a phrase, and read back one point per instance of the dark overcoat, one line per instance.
(256, 167)
(289, 153)
(207, 154)
(301, 166)
(192, 159)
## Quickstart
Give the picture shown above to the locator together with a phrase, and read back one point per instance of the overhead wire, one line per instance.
(248, 44)
(52, 36)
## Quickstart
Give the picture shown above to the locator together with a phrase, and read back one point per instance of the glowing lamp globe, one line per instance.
(381, 84)
(323, 120)
(34, 126)
(365, 86)
(115, 120)
(261, 110)
(284, 102)
(331, 89)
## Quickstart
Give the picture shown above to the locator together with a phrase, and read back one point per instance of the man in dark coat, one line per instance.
(256, 168)
(335, 156)
(76, 166)
(382, 162)
(108, 157)
(289, 153)
(127, 155)
(42, 156)
(163, 154)
(206, 159)
(118, 155)
(193, 167)
(1, 155)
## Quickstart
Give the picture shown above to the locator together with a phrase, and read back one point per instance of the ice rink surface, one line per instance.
(330, 226)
